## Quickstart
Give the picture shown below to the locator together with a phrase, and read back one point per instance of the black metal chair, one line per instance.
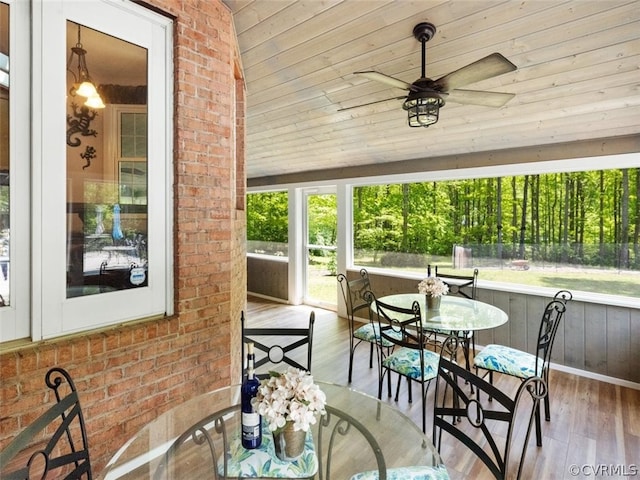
(463, 286)
(55, 444)
(209, 439)
(334, 431)
(523, 365)
(353, 294)
(402, 327)
(278, 345)
(460, 413)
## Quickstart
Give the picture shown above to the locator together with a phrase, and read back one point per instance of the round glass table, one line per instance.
(455, 313)
(358, 434)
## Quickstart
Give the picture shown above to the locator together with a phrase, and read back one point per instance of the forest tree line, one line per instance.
(585, 218)
(588, 218)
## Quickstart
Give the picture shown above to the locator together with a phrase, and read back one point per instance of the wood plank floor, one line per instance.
(594, 430)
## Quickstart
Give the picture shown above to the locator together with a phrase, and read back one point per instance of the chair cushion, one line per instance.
(507, 360)
(263, 463)
(406, 361)
(407, 473)
(370, 333)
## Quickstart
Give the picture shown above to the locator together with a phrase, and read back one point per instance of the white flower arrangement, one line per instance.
(290, 397)
(433, 286)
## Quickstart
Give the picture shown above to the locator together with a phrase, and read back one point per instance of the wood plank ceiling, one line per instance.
(577, 80)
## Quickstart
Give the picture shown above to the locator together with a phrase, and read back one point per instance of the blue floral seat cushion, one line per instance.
(263, 463)
(370, 333)
(406, 361)
(438, 472)
(510, 361)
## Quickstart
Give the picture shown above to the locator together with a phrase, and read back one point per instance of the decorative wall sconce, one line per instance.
(83, 85)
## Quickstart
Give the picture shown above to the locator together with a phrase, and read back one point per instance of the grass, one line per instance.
(323, 285)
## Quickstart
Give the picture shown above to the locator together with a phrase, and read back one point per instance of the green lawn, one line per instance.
(612, 282)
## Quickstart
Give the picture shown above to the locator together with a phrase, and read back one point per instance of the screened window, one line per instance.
(268, 223)
(574, 230)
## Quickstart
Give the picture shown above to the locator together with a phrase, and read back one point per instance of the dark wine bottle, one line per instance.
(251, 420)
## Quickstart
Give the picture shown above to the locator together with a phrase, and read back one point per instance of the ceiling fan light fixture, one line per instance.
(422, 108)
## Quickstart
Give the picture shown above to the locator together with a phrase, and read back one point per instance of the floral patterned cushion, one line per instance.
(262, 462)
(407, 473)
(370, 332)
(507, 360)
(406, 361)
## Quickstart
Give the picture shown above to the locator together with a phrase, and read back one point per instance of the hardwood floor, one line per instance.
(594, 430)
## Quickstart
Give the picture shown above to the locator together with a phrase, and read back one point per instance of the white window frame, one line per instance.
(14, 319)
(38, 232)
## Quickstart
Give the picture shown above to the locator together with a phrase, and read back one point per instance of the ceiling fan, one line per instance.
(425, 97)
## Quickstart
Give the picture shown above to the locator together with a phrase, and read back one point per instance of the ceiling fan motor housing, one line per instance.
(424, 31)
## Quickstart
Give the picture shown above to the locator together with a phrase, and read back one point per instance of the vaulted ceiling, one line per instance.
(577, 80)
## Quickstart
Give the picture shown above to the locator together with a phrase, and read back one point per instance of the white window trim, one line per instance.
(14, 318)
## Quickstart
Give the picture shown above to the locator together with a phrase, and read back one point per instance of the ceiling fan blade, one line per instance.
(372, 103)
(386, 79)
(487, 67)
(478, 97)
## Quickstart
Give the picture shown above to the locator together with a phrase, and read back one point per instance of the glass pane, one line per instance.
(321, 254)
(106, 197)
(133, 136)
(571, 230)
(133, 183)
(268, 223)
(4, 156)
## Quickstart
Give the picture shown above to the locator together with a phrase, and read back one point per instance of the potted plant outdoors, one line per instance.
(434, 289)
(290, 403)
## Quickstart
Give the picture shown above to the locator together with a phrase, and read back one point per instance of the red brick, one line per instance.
(128, 375)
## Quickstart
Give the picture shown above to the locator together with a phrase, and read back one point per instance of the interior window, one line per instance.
(106, 186)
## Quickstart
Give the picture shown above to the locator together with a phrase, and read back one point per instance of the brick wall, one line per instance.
(128, 375)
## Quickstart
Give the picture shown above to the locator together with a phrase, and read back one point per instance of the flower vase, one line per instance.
(289, 443)
(433, 303)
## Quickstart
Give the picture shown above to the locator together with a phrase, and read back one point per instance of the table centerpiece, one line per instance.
(290, 403)
(434, 289)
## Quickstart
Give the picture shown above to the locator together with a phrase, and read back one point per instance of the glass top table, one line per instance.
(455, 313)
(342, 449)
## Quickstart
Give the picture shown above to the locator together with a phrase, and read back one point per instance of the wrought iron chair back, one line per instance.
(461, 285)
(402, 327)
(511, 361)
(404, 321)
(551, 318)
(454, 402)
(277, 345)
(353, 295)
(209, 439)
(55, 444)
(334, 426)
